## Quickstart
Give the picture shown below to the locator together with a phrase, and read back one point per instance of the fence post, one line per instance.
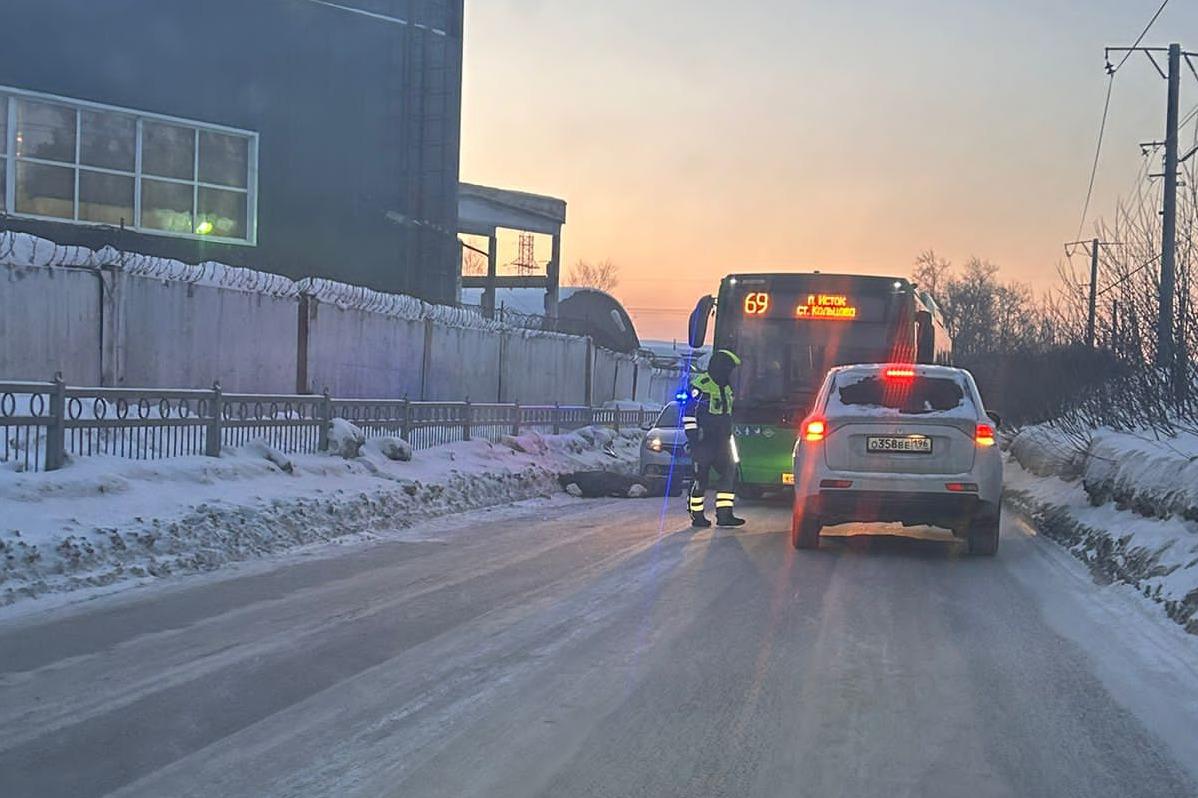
(405, 426)
(516, 418)
(56, 425)
(326, 417)
(212, 436)
(466, 420)
(557, 418)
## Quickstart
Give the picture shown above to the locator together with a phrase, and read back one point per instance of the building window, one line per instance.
(90, 164)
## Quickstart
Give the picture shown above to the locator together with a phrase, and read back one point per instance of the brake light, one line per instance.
(896, 373)
(984, 435)
(814, 429)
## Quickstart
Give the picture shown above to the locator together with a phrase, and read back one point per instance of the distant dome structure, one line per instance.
(580, 311)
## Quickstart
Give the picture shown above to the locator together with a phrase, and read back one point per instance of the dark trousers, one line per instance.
(720, 461)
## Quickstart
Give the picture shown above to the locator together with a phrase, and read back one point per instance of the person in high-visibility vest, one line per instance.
(707, 422)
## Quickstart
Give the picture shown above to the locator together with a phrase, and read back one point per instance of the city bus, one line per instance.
(788, 330)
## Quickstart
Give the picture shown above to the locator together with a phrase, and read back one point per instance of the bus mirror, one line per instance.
(925, 338)
(697, 329)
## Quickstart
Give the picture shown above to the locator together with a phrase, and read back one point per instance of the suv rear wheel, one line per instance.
(983, 533)
(804, 532)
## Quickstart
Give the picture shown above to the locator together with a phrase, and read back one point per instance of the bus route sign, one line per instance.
(826, 306)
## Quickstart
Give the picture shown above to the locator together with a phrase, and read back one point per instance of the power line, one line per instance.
(1131, 273)
(1106, 106)
(1139, 39)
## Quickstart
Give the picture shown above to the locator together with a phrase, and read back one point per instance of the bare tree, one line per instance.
(603, 275)
(474, 264)
(930, 272)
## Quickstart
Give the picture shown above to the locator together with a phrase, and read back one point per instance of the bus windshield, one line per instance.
(790, 329)
(779, 364)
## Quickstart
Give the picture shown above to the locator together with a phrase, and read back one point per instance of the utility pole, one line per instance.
(1166, 348)
(1092, 311)
(1093, 293)
(1164, 324)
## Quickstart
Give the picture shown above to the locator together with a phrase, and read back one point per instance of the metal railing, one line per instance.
(43, 423)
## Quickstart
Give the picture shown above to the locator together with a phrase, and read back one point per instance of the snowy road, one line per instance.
(572, 648)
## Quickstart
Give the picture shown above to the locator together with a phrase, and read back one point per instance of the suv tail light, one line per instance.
(814, 429)
(984, 435)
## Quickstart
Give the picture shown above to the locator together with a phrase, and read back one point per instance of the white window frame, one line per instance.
(250, 190)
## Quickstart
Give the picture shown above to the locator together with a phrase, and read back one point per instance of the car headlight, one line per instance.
(654, 444)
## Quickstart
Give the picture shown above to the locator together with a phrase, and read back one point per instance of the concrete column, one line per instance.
(589, 378)
(112, 282)
(492, 271)
(553, 273)
(427, 359)
(306, 311)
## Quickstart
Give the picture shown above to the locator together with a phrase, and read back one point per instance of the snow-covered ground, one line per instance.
(104, 520)
(1124, 503)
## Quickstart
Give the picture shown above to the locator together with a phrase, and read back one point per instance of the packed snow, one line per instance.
(1124, 503)
(103, 520)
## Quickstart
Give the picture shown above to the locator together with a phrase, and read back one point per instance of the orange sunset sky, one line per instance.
(691, 139)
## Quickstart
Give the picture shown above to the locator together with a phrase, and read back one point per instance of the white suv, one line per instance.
(908, 443)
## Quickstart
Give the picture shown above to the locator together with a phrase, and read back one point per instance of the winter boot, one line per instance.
(724, 517)
(694, 503)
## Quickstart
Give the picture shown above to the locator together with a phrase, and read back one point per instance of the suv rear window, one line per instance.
(910, 396)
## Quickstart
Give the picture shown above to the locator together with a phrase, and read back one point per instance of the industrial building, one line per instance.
(302, 137)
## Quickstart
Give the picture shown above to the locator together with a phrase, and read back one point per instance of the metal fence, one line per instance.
(44, 422)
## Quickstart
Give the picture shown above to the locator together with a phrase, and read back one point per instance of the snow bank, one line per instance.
(1151, 475)
(1046, 451)
(1157, 478)
(1080, 495)
(1159, 558)
(104, 520)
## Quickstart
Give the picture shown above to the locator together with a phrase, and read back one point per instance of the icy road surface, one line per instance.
(575, 648)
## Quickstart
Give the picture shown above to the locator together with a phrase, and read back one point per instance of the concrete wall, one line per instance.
(357, 354)
(185, 327)
(181, 335)
(660, 386)
(613, 376)
(544, 369)
(50, 321)
(460, 363)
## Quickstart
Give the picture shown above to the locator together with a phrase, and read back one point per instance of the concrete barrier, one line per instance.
(359, 354)
(180, 334)
(50, 320)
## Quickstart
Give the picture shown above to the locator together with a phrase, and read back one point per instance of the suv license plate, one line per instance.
(915, 444)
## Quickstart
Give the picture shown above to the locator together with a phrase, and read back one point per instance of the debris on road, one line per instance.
(598, 484)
